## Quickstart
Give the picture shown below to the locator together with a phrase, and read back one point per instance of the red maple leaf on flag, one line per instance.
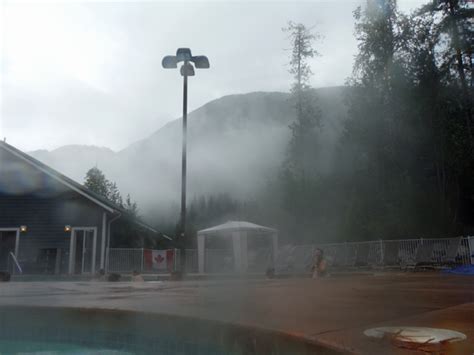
(159, 259)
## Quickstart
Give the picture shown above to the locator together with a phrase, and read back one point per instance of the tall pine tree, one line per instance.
(303, 145)
(299, 176)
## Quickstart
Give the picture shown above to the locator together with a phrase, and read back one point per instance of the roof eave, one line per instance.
(57, 178)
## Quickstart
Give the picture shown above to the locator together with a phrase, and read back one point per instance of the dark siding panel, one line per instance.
(45, 206)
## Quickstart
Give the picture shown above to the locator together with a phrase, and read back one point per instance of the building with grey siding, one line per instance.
(50, 223)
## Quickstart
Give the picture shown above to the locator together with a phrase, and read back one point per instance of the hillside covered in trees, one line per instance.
(390, 155)
(404, 164)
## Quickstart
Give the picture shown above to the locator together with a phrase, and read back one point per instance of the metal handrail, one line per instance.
(15, 260)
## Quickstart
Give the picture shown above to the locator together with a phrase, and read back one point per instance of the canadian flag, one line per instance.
(159, 260)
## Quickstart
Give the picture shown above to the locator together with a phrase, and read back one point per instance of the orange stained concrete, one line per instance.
(333, 311)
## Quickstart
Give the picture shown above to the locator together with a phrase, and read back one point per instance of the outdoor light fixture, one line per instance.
(201, 62)
(23, 229)
(67, 228)
(169, 62)
(187, 69)
(184, 55)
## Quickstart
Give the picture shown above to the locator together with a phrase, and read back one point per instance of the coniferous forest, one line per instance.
(404, 165)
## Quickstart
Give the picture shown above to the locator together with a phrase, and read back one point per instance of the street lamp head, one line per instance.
(183, 54)
(201, 62)
(187, 69)
(169, 62)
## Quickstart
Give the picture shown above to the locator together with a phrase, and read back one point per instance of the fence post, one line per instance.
(177, 255)
(470, 244)
(107, 260)
(381, 252)
(346, 254)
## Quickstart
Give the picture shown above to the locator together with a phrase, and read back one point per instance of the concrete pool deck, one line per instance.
(333, 311)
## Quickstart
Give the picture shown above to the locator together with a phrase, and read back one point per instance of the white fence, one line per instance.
(446, 251)
(123, 260)
(299, 258)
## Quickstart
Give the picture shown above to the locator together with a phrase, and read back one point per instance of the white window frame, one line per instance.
(72, 248)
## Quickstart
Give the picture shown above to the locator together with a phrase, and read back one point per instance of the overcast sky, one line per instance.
(90, 72)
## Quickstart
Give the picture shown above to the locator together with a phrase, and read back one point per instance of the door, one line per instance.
(88, 251)
(78, 251)
(8, 241)
(82, 250)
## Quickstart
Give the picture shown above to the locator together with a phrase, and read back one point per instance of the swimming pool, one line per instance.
(52, 330)
(44, 347)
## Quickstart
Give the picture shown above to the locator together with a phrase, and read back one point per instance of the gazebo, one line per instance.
(239, 233)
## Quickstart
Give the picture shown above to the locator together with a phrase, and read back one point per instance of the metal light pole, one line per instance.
(187, 69)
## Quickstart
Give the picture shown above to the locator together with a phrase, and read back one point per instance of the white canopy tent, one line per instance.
(239, 231)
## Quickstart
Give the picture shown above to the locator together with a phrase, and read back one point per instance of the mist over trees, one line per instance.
(299, 174)
(408, 134)
(96, 181)
(390, 155)
(405, 162)
(128, 233)
(404, 165)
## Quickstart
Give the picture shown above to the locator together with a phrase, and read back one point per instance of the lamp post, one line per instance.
(187, 69)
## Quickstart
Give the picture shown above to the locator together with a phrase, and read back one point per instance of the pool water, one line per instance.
(10, 347)
(55, 330)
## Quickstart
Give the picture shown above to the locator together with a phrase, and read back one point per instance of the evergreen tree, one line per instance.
(454, 32)
(407, 136)
(113, 194)
(299, 176)
(131, 207)
(303, 145)
(96, 182)
(129, 234)
(442, 64)
(375, 144)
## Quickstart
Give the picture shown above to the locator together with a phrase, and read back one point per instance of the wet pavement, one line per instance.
(333, 311)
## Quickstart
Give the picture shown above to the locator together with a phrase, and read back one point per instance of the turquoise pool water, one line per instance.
(54, 330)
(9, 347)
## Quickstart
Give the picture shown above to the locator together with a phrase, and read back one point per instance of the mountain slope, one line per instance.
(75, 160)
(235, 144)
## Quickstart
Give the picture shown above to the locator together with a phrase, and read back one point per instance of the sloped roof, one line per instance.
(75, 186)
(232, 226)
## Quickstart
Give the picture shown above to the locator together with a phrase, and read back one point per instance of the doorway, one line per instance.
(82, 250)
(9, 239)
